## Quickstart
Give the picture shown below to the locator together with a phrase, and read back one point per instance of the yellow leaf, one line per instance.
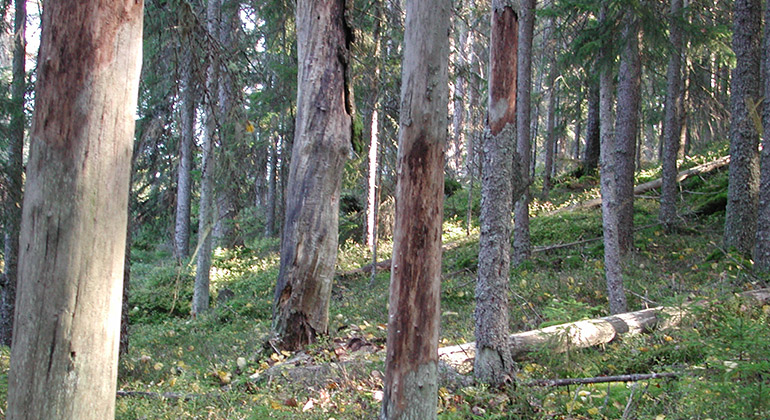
(249, 127)
(158, 366)
(275, 405)
(593, 411)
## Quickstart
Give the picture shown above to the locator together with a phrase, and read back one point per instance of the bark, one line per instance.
(201, 294)
(762, 247)
(743, 186)
(321, 147)
(411, 366)
(494, 364)
(522, 246)
(626, 130)
(672, 128)
(184, 176)
(609, 187)
(65, 351)
(13, 173)
(591, 154)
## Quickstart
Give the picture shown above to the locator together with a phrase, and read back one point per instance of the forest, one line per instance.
(391, 209)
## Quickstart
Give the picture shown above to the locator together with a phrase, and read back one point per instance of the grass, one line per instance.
(222, 361)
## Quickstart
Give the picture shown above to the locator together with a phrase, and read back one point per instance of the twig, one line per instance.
(630, 400)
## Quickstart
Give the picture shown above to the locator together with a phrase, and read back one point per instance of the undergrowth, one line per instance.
(222, 363)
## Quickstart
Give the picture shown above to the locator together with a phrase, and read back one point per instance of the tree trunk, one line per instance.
(411, 366)
(65, 351)
(591, 154)
(321, 147)
(184, 176)
(200, 301)
(762, 247)
(626, 129)
(13, 172)
(374, 140)
(522, 246)
(272, 174)
(125, 307)
(458, 117)
(493, 363)
(226, 203)
(550, 127)
(609, 187)
(672, 128)
(743, 186)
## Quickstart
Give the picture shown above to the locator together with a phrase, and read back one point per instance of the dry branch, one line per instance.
(635, 377)
(590, 332)
(651, 185)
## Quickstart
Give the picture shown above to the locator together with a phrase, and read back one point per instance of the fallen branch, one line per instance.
(173, 396)
(654, 184)
(636, 377)
(584, 241)
(588, 333)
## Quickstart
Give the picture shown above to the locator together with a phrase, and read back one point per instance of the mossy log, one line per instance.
(651, 185)
(590, 332)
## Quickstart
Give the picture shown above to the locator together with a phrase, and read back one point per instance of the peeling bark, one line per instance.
(321, 147)
(411, 380)
(494, 364)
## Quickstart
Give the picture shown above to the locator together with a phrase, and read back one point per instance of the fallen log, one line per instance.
(651, 185)
(589, 332)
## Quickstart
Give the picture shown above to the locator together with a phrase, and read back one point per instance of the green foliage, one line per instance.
(159, 291)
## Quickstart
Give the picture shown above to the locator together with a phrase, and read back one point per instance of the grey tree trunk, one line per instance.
(743, 186)
(672, 127)
(272, 174)
(13, 172)
(411, 366)
(522, 246)
(610, 204)
(626, 130)
(201, 293)
(65, 350)
(762, 247)
(591, 154)
(184, 177)
(550, 133)
(374, 143)
(493, 363)
(226, 206)
(321, 147)
(458, 117)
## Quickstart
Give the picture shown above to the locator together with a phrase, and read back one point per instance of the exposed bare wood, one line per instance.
(590, 332)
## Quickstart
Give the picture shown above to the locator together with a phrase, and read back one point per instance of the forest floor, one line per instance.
(218, 366)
